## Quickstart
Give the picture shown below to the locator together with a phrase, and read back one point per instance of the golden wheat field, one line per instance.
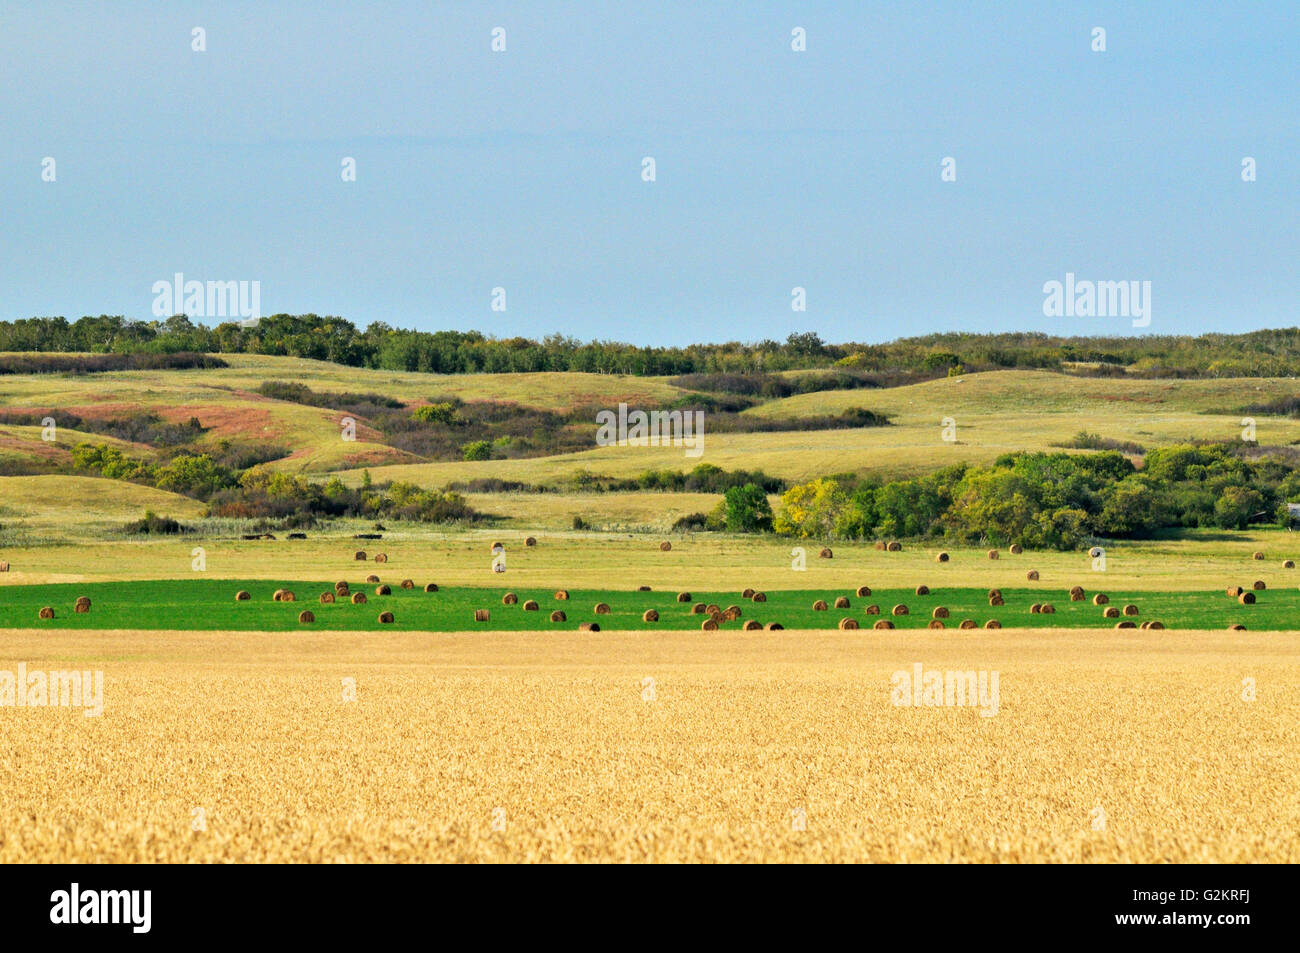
(654, 747)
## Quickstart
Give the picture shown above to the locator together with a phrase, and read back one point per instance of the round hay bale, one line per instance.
(1144, 625)
(1032, 575)
(381, 557)
(530, 541)
(1288, 564)
(922, 590)
(650, 615)
(746, 594)
(1235, 591)
(709, 625)
(1036, 608)
(383, 590)
(509, 599)
(288, 596)
(497, 547)
(713, 609)
(683, 597)
(385, 617)
(996, 601)
(408, 584)
(1236, 627)
(665, 546)
(969, 624)
(1247, 598)
(326, 598)
(242, 596)
(993, 554)
(941, 558)
(826, 553)
(993, 624)
(883, 624)
(1095, 552)
(774, 627)
(531, 605)
(1110, 612)
(1257, 555)
(277, 596)
(1077, 594)
(602, 608)
(82, 604)
(341, 584)
(358, 598)
(731, 613)
(562, 595)
(820, 606)
(880, 545)
(842, 602)
(872, 610)
(1048, 609)
(306, 616)
(752, 625)
(1126, 625)
(864, 591)
(1258, 585)
(760, 597)
(558, 616)
(431, 587)
(46, 612)
(1154, 624)
(480, 615)
(1131, 609)
(372, 578)
(1100, 599)
(899, 609)
(588, 626)
(849, 623)
(940, 612)
(642, 588)
(360, 555)
(894, 547)
(698, 609)
(1015, 549)
(995, 593)
(937, 624)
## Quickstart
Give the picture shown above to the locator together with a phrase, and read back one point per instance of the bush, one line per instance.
(476, 450)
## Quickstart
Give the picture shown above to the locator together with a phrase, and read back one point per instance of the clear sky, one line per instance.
(774, 168)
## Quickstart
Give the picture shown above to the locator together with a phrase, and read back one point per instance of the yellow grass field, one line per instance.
(559, 743)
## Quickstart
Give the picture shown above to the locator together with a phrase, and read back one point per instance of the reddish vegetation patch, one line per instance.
(225, 420)
(37, 449)
(369, 458)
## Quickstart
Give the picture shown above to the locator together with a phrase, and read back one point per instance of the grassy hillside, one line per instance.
(72, 508)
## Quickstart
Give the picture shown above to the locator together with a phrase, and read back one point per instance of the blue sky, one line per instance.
(775, 169)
